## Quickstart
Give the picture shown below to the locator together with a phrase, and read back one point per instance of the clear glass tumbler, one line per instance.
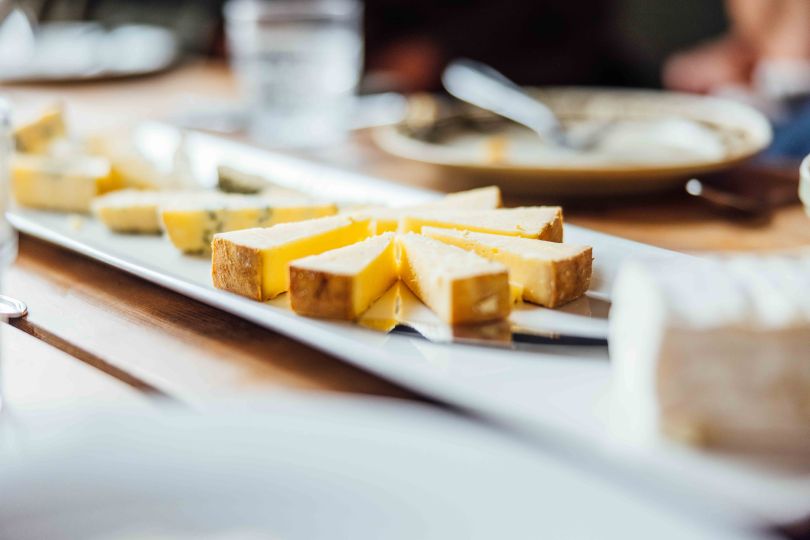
(297, 63)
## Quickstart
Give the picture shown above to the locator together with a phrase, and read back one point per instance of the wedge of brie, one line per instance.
(714, 352)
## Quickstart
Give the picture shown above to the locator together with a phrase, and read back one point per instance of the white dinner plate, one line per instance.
(476, 146)
(557, 393)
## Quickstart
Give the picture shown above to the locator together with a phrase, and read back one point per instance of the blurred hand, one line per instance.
(761, 31)
(727, 61)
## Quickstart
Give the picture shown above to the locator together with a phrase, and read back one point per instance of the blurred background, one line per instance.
(614, 42)
(751, 50)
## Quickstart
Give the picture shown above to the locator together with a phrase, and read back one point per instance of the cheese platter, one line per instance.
(557, 394)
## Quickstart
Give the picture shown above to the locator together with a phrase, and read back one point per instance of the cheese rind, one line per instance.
(65, 184)
(387, 219)
(343, 283)
(549, 273)
(459, 286)
(191, 225)
(255, 262)
(539, 222)
(37, 136)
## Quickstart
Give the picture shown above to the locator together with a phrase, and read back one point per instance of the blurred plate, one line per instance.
(699, 134)
(306, 468)
(82, 51)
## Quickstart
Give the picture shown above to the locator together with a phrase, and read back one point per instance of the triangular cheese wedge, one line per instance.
(387, 219)
(343, 283)
(255, 262)
(549, 273)
(459, 286)
(191, 224)
(540, 222)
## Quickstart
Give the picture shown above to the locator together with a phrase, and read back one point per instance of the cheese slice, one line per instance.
(459, 286)
(713, 352)
(66, 184)
(255, 262)
(479, 198)
(133, 210)
(549, 273)
(540, 222)
(344, 282)
(387, 219)
(191, 224)
(37, 135)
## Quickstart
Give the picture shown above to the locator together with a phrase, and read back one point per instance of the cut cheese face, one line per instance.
(459, 286)
(37, 136)
(539, 222)
(549, 273)
(66, 184)
(191, 224)
(132, 210)
(387, 219)
(255, 262)
(343, 283)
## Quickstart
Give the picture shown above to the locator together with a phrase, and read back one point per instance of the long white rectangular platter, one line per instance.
(554, 394)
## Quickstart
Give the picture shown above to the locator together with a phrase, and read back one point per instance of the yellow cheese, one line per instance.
(343, 283)
(542, 222)
(132, 210)
(549, 273)
(36, 136)
(255, 262)
(515, 292)
(191, 224)
(480, 198)
(67, 184)
(459, 286)
(387, 219)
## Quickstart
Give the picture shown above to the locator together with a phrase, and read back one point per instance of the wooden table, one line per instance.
(97, 332)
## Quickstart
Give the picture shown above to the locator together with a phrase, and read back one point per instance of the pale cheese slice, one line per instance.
(56, 183)
(540, 222)
(37, 135)
(191, 224)
(387, 219)
(132, 210)
(459, 286)
(343, 283)
(255, 262)
(550, 273)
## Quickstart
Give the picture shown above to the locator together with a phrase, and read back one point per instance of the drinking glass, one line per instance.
(297, 63)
